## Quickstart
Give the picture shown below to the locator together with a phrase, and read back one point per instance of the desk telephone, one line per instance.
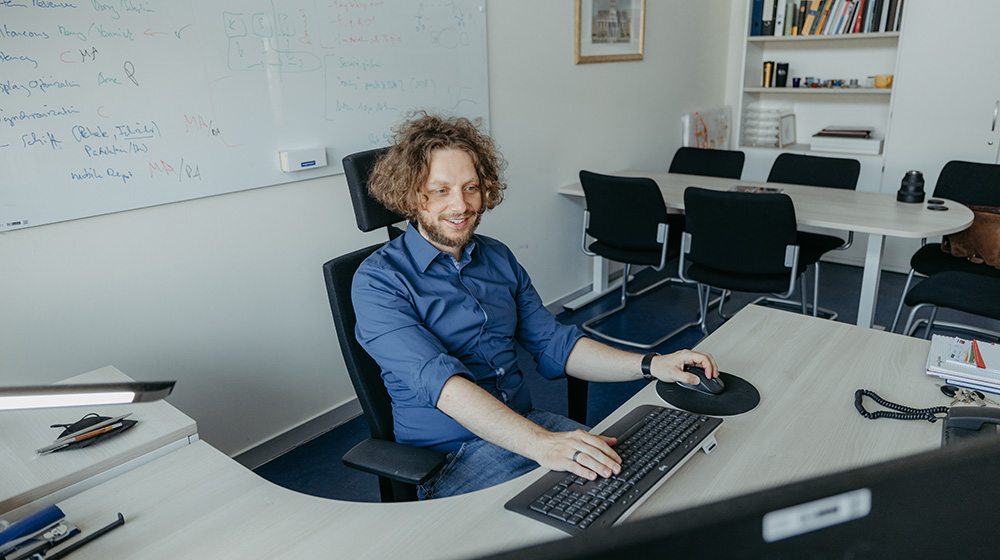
(967, 422)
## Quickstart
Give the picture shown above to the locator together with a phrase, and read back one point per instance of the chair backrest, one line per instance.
(816, 171)
(743, 233)
(624, 211)
(708, 162)
(365, 373)
(972, 184)
(369, 213)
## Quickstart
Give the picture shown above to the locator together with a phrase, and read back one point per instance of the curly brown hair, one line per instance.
(399, 176)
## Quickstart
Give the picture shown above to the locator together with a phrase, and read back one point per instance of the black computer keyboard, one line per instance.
(653, 442)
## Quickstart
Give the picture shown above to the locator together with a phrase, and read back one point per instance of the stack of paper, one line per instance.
(965, 362)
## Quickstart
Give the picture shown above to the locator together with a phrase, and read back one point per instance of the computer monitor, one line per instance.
(939, 504)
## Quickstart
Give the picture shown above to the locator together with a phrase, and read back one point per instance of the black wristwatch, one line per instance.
(647, 361)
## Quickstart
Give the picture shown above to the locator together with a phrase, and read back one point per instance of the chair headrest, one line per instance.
(369, 213)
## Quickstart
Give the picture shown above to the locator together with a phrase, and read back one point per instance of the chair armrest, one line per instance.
(403, 463)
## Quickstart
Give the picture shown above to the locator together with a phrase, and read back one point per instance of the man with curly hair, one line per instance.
(439, 309)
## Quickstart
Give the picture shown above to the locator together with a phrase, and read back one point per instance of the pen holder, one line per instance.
(89, 420)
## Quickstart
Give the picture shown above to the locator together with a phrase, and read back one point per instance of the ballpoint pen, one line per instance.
(70, 438)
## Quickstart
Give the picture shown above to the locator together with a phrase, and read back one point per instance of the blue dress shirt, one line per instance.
(425, 317)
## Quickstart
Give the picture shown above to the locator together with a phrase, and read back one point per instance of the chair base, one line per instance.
(589, 326)
(912, 326)
(823, 312)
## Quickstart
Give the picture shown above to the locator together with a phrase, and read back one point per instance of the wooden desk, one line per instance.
(197, 503)
(29, 481)
(876, 214)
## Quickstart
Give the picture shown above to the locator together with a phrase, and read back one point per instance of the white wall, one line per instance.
(227, 291)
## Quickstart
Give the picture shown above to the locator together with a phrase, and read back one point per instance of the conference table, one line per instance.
(195, 502)
(876, 214)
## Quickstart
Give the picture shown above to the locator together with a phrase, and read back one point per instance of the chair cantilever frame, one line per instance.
(817, 171)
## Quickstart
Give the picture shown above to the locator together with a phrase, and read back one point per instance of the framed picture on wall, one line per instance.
(609, 30)
(786, 130)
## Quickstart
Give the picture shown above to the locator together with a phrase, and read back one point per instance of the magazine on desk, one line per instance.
(966, 362)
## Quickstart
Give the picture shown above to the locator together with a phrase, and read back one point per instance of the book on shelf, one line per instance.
(810, 17)
(846, 132)
(948, 359)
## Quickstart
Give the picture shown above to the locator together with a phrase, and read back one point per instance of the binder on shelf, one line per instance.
(899, 16)
(767, 18)
(791, 12)
(779, 17)
(755, 18)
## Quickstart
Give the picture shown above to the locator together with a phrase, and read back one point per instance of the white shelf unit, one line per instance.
(824, 57)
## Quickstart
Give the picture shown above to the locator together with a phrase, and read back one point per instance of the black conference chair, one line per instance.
(817, 171)
(708, 162)
(972, 184)
(739, 242)
(628, 223)
(967, 292)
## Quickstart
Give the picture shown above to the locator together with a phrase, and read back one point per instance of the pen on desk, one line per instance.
(114, 524)
(79, 438)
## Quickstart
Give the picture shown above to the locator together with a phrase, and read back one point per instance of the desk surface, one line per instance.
(27, 476)
(841, 209)
(196, 502)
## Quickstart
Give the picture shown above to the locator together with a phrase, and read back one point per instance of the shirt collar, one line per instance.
(424, 253)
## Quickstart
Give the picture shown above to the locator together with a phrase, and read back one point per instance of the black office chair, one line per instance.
(739, 242)
(973, 184)
(399, 467)
(817, 171)
(628, 223)
(968, 292)
(707, 162)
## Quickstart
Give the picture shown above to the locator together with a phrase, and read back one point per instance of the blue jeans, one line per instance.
(480, 464)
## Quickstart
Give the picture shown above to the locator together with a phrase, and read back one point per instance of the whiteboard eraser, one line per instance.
(297, 160)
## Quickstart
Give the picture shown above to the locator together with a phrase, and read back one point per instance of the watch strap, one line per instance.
(647, 361)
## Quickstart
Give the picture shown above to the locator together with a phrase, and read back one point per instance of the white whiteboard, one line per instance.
(111, 105)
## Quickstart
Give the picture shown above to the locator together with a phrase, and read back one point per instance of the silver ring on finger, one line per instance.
(575, 455)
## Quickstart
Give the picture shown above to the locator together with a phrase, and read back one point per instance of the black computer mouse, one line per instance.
(709, 386)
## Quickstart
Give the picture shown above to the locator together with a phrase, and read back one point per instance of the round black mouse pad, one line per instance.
(739, 397)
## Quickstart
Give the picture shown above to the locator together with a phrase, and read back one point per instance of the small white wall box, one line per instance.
(297, 160)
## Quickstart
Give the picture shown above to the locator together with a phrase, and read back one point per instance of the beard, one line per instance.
(436, 233)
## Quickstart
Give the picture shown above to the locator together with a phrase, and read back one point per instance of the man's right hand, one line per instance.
(580, 453)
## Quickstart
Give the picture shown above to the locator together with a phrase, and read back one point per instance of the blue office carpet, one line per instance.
(315, 468)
